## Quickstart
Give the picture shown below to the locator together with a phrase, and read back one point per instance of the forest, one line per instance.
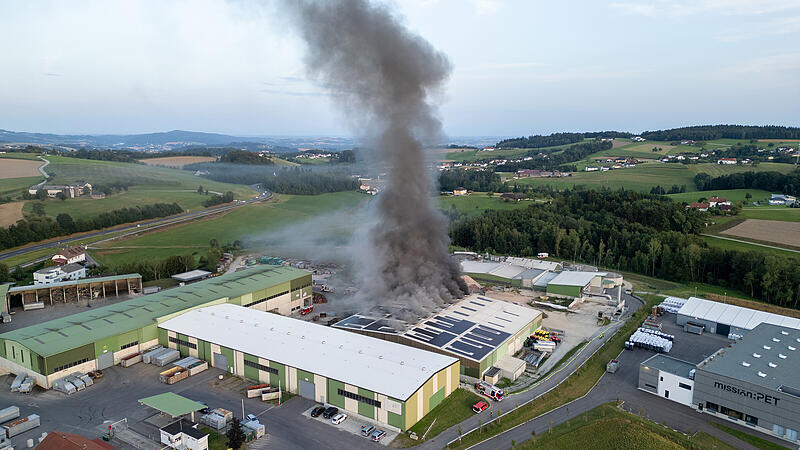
(539, 141)
(560, 160)
(40, 227)
(769, 181)
(245, 157)
(629, 231)
(473, 180)
(711, 132)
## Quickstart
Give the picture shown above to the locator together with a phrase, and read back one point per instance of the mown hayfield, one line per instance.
(10, 213)
(177, 161)
(11, 186)
(783, 213)
(19, 168)
(733, 195)
(478, 202)
(778, 232)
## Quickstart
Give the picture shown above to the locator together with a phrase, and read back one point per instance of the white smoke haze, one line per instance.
(384, 78)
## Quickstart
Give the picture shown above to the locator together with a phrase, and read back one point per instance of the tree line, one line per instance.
(539, 140)
(474, 180)
(711, 132)
(557, 160)
(37, 228)
(788, 183)
(245, 157)
(633, 232)
(281, 180)
(217, 199)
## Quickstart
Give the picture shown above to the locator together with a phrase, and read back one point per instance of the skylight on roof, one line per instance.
(745, 363)
(762, 374)
(792, 348)
(756, 355)
(773, 365)
(781, 356)
(767, 347)
(775, 340)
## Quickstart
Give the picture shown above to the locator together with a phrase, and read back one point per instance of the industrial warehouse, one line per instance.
(753, 380)
(393, 384)
(100, 337)
(479, 331)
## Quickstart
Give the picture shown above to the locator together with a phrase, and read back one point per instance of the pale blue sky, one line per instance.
(520, 67)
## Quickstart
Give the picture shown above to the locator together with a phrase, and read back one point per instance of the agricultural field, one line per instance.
(771, 213)
(647, 175)
(19, 168)
(10, 213)
(148, 184)
(778, 232)
(176, 161)
(727, 244)
(732, 195)
(249, 221)
(30, 156)
(13, 186)
(462, 155)
(477, 202)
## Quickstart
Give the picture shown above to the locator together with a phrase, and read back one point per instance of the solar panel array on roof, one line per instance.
(473, 327)
(735, 316)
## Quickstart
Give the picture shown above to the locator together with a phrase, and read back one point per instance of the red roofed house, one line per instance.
(699, 206)
(726, 161)
(70, 255)
(58, 440)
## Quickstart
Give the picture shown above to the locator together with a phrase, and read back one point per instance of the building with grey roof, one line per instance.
(667, 377)
(755, 381)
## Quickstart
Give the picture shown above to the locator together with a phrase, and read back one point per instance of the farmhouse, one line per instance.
(73, 190)
(718, 201)
(70, 255)
(700, 206)
(728, 161)
(460, 191)
(780, 199)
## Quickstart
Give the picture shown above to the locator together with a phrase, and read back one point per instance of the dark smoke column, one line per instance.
(382, 76)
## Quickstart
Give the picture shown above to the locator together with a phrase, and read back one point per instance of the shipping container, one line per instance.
(167, 357)
(10, 413)
(173, 375)
(131, 360)
(197, 367)
(20, 426)
(186, 362)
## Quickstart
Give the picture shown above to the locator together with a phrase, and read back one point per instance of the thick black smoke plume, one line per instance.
(383, 77)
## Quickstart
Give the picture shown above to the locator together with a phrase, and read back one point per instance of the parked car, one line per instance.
(366, 430)
(317, 411)
(480, 406)
(330, 412)
(250, 417)
(377, 435)
(206, 409)
(306, 310)
(338, 418)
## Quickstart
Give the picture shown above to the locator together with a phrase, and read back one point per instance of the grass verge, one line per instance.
(454, 409)
(606, 427)
(749, 438)
(577, 385)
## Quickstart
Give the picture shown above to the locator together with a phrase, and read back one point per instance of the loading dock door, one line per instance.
(723, 329)
(307, 390)
(105, 360)
(220, 361)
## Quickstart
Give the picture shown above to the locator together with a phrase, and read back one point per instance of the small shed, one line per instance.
(192, 275)
(510, 367)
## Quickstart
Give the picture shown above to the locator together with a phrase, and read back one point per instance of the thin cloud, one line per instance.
(52, 74)
(782, 26)
(682, 8)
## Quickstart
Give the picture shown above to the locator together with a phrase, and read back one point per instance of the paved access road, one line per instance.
(542, 386)
(141, 226)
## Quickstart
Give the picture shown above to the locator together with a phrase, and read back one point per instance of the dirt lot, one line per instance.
(10, 213)
(18, 168)
(176, 161)
(787, 233)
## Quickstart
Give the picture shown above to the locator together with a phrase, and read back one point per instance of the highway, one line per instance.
(141, 226)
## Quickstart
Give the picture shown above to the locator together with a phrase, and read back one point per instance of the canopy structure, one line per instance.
(172, 404)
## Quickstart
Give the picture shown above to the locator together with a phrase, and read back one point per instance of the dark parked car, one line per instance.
(317, 411)
(330, 412)
(205, 410)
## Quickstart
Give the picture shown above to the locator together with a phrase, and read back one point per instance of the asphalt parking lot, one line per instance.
(114, 397)
(353, 425)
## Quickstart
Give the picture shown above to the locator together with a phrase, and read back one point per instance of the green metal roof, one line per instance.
(30, 287)
(3, 291)
(172, 404)
(66, 333)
